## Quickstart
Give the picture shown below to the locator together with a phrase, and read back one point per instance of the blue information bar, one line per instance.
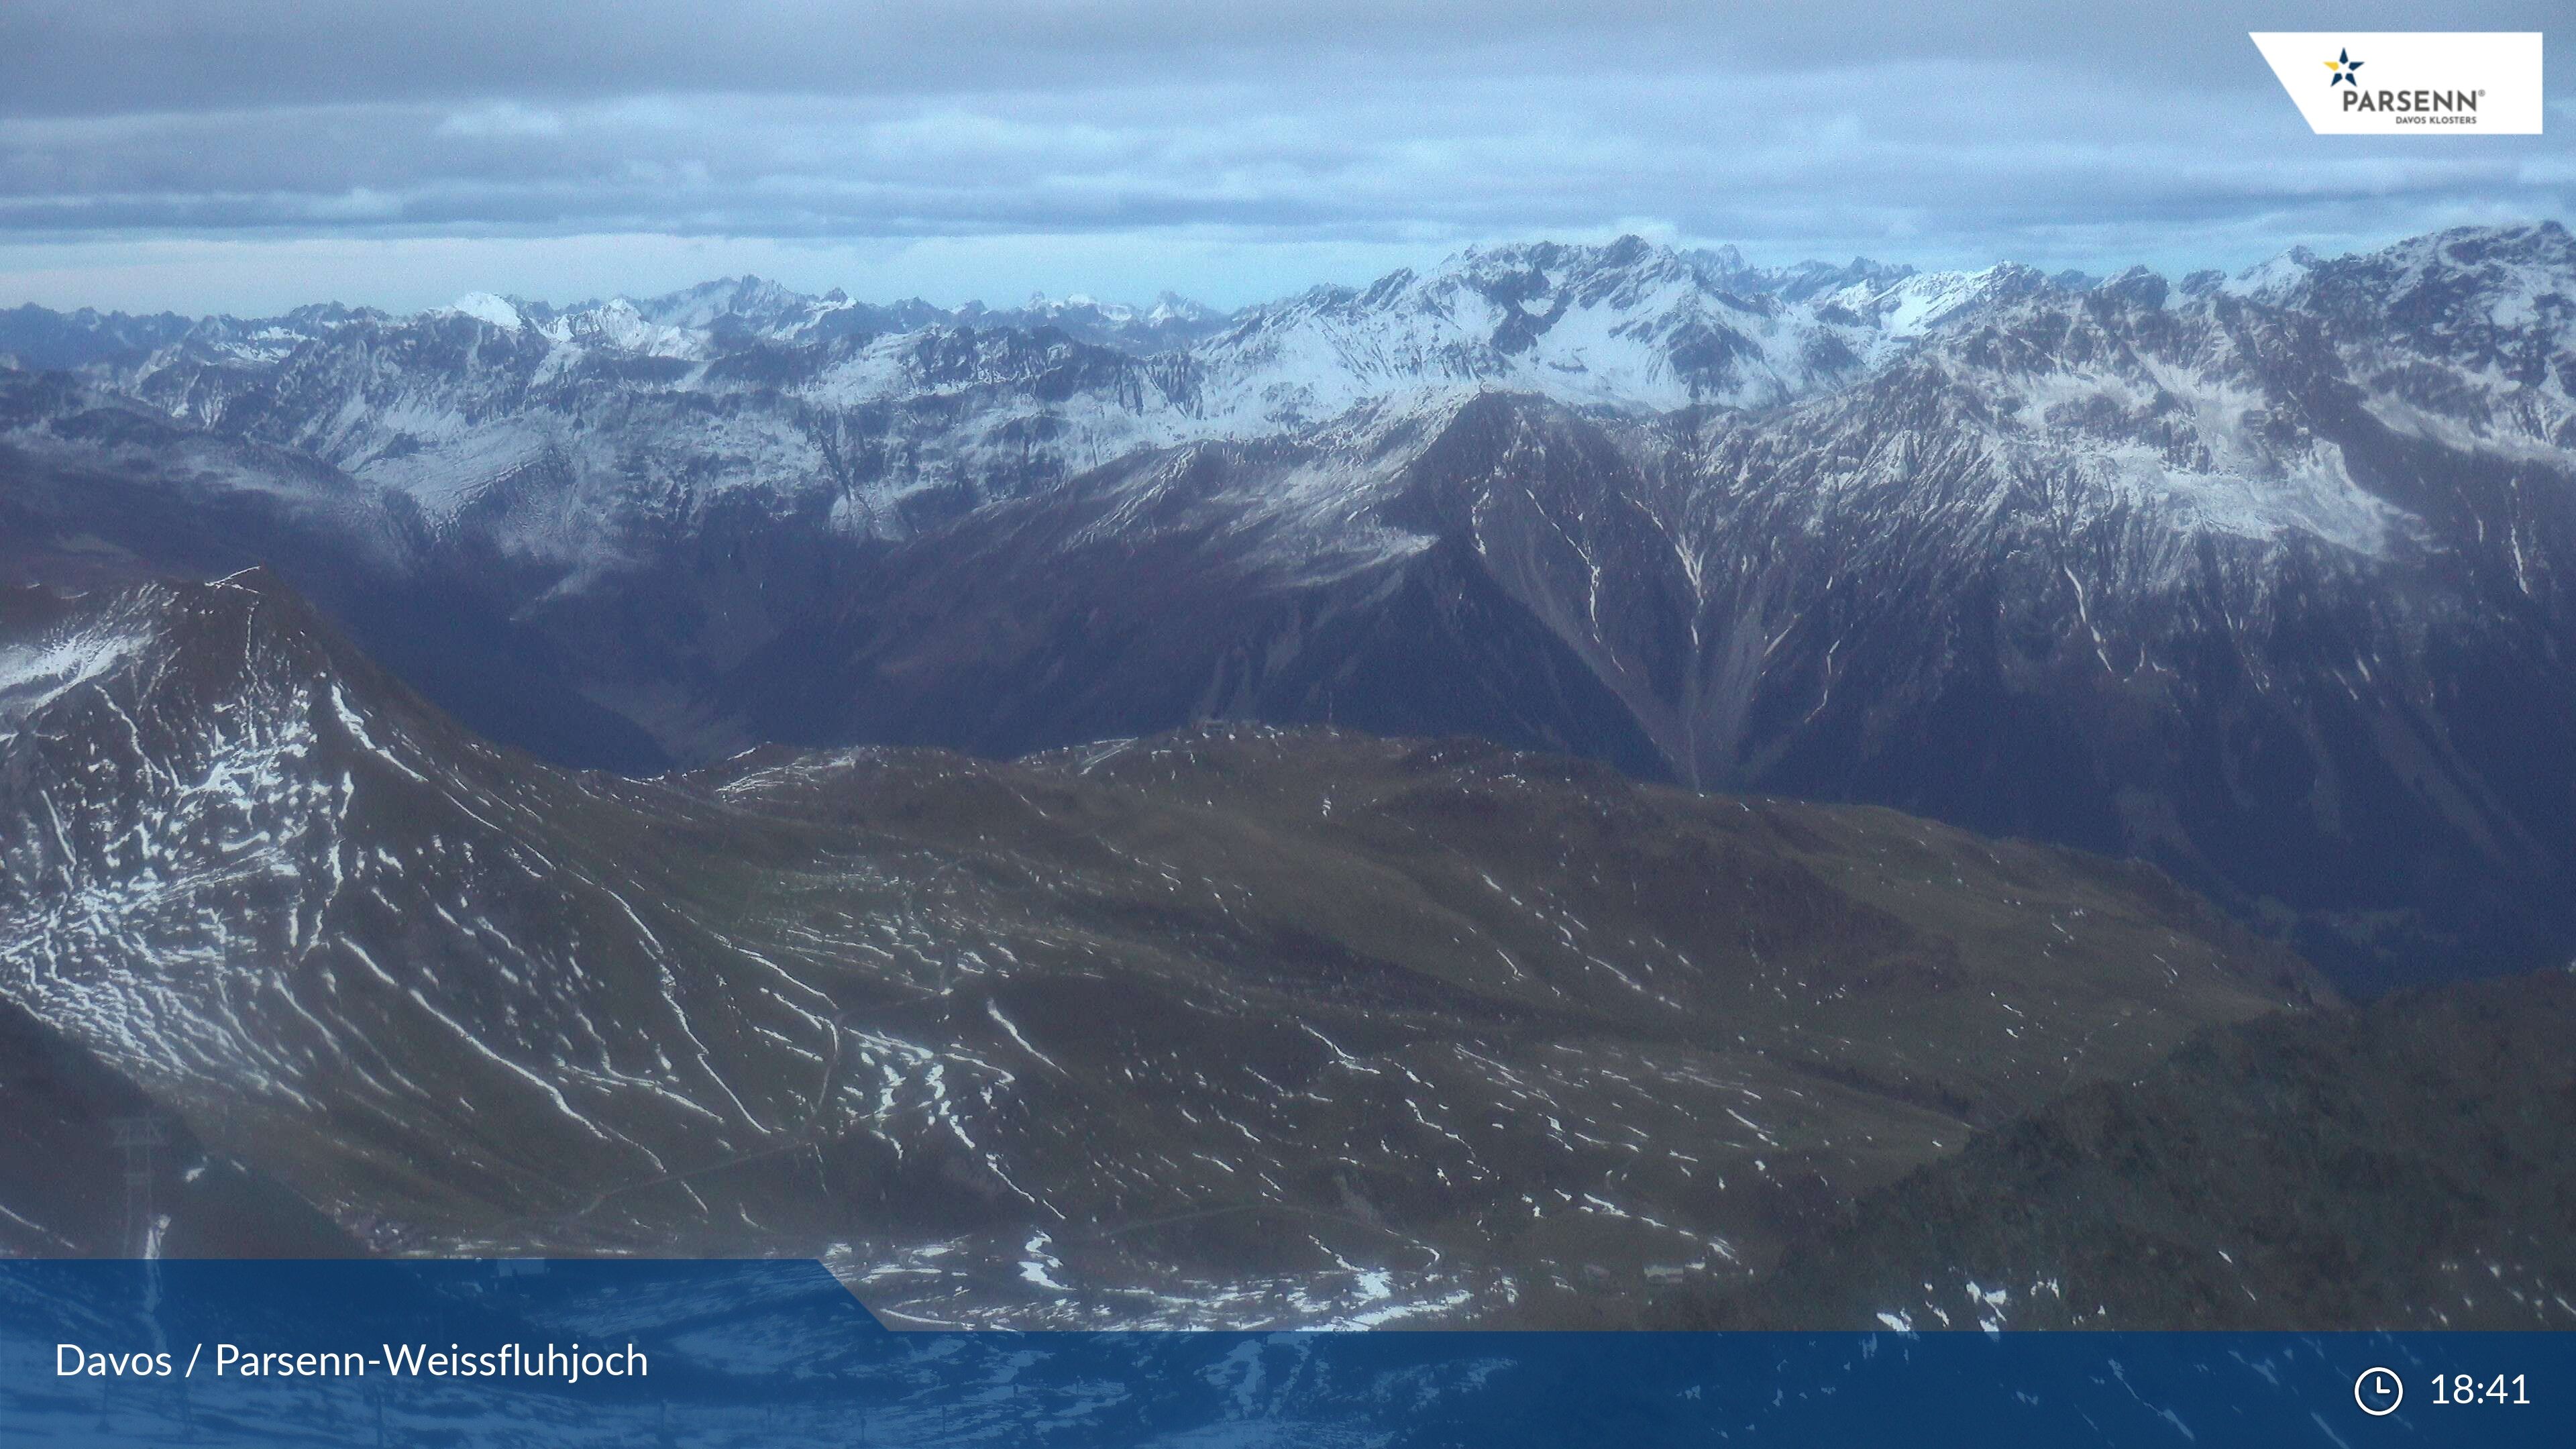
(732, 1354)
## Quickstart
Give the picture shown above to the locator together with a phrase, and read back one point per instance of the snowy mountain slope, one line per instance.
(651, 491)
(443, 405)
(1232, 1026)
(2146, 574)
(101, 491)
(214, 822)
(2466, 338)
(897, 416)
(2155, 575)
(2181, 580)
(2261, 577)
(37, 337)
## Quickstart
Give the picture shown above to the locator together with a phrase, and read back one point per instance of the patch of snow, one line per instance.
(488, 308)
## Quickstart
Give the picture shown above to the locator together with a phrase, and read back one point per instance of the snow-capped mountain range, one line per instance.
(746, 381)
(2262, 577)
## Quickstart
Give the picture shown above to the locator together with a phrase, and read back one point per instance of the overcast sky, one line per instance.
(248, 155)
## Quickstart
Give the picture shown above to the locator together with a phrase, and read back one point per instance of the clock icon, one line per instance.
(2379, 1391)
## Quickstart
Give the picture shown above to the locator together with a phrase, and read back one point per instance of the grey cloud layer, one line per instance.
(2033, 130)
(93, 56)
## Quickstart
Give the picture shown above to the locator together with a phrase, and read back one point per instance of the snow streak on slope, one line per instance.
(226, 863)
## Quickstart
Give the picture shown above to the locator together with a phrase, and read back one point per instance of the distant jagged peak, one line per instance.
(1917, 303)
(2275, 279)
(1630, 324)
(1525, 268)
(1171, 306)
(1725, 259)
(1077, 302)
(2544, 243)
(1537, 272)
(669, 324)
(2142, 287)
(1723, 268)
(1168, 306)
(489, 308)
(1171, 321)
(749, 289)
(755, 300)
(2491, 278)
(1515, 292)
(1802, 280)
(1634, 275)
(2515, 253)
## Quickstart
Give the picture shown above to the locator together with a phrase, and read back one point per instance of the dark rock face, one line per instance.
(2343, 731)
(1180, 587)
(64, 1189)
(2393, 1168)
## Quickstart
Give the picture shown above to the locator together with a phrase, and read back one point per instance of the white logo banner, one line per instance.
(2396, 83)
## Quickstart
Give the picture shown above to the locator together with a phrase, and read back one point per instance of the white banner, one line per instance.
(2397, 83)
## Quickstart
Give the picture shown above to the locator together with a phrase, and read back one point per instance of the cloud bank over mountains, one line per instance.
(242, 157)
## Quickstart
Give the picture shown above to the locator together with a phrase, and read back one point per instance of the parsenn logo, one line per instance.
(2428, 82)
(2344, 70)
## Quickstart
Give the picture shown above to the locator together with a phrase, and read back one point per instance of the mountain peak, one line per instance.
(2140, 287)
(488, 308)
(1173, 307)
